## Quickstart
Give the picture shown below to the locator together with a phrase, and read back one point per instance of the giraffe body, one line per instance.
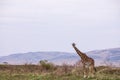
(88, 63)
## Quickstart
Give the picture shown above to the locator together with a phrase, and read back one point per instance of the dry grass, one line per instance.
(50, 71)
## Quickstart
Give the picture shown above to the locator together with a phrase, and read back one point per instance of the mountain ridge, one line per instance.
(111, 55)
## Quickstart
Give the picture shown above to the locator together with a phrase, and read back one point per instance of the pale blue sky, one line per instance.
(52, 25)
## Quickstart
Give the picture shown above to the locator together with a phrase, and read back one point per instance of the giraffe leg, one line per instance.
(85, 72)
(91, 71)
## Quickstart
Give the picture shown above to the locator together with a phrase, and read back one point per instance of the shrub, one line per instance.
(47, 66)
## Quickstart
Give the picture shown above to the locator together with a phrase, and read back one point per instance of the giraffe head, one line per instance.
(73, 44)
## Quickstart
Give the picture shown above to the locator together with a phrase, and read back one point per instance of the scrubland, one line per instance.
(49, 71)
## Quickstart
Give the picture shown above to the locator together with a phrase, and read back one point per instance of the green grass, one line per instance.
(6, 76)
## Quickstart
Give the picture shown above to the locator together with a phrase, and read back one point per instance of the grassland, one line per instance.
(52, 72)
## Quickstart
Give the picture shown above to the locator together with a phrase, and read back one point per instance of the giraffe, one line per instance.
(88, 63)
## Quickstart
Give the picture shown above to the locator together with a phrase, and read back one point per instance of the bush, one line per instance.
(46, 65)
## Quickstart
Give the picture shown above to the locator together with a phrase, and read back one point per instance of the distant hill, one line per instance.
(106, 56)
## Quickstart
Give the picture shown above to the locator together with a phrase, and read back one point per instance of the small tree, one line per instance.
(42, 62)
(46, 65)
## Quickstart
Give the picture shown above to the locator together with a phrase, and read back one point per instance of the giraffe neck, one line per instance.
(82, 55)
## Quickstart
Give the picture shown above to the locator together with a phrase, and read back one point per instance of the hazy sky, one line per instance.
(52, 25)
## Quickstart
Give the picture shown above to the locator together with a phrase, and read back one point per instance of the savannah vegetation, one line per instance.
(48, 71)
